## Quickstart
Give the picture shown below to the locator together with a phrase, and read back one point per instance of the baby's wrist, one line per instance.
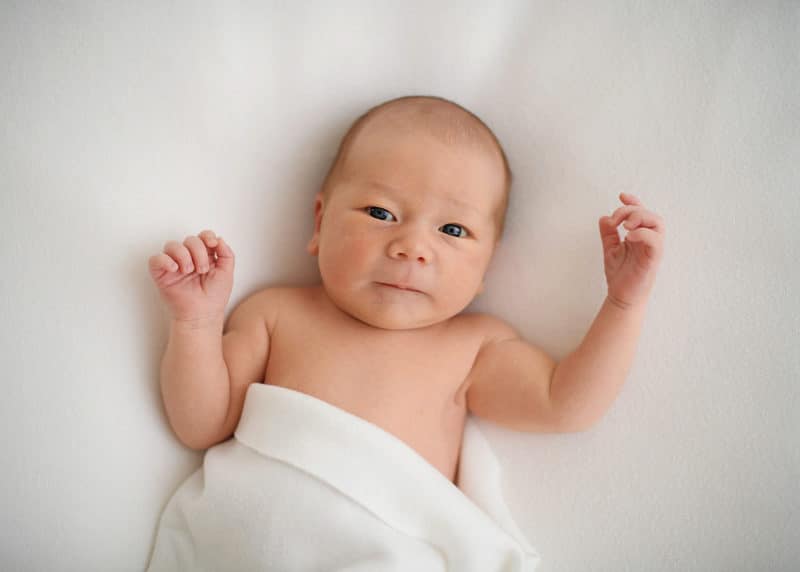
(626, 305)
(195, 323)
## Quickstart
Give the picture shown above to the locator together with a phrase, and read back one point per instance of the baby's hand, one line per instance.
(631, 264)
(195, 278)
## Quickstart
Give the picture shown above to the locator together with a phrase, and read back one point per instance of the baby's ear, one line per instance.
(313, 244)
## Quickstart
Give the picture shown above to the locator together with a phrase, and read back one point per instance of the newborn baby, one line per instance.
(406, 223)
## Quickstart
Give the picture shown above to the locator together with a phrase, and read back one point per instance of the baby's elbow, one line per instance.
(576, 424)
(193, 442)
(199, 443)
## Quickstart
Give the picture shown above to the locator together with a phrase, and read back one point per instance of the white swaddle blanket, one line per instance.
(306, 486)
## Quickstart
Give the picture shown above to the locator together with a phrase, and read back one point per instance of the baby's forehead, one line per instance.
(451, 126)
(384, 147)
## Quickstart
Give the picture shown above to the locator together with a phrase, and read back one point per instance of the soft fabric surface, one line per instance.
(306, 486)
(127, 124)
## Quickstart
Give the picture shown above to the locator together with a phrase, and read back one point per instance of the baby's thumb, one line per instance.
(225, 257)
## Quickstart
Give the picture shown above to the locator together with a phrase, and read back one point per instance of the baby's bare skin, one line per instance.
(403, 240)
(408, 382)
(403, 237)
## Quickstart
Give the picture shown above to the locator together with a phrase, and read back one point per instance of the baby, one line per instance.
(406, 223)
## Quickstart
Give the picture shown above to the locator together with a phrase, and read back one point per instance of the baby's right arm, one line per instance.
(204, 375)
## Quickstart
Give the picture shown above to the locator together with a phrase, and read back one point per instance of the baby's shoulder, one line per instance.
(273, 301)
(487, 327)
(278, 294)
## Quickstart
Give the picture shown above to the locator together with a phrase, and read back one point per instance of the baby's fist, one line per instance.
(194, 278)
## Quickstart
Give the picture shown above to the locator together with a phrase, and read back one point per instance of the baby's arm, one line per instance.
(517, 385)
(205, 374)
(194, 380)
(587, 381)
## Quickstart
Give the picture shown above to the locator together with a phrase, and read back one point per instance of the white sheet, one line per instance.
(305, 485)
(127, 124)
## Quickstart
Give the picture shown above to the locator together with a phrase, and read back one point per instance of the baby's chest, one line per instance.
(393, 379)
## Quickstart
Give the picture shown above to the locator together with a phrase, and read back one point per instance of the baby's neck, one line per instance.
(348, 320)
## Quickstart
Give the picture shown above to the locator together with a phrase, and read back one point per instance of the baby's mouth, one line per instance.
(399, 287)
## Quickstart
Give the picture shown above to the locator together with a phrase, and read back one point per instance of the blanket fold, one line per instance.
(304, 485)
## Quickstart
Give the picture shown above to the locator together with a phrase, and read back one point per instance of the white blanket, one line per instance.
(305, 485)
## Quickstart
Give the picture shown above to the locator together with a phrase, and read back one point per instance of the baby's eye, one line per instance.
(454, 230)
(379, 213)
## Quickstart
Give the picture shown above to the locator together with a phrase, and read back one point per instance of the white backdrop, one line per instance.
(124, 125)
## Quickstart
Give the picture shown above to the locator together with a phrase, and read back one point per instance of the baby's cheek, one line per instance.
(352, 244)
(347, 255)
(360, 253)
(470, 270)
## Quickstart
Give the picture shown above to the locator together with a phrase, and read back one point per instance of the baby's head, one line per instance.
(410, 213)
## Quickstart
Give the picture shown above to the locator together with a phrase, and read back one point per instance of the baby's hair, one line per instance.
(446, 120)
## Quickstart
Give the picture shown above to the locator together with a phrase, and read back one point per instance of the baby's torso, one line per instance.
(409, 383)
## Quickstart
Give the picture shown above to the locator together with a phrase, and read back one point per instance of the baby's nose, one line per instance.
(410, 248)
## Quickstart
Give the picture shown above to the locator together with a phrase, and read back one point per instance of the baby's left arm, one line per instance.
(517, 385)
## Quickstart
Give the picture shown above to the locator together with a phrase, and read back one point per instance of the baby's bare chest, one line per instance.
(408, 383)
(389, 376)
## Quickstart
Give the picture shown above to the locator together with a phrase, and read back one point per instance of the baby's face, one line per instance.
(407, 233)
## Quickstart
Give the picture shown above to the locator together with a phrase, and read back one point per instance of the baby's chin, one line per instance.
(394, 318)
(395, 324)
(407, 311)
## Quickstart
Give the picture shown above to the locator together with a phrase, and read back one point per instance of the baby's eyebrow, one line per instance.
(397, 192)
(384, 187)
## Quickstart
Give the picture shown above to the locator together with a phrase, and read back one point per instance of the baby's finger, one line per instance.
(209, 238)
(630, 199)
(162, 262)
(211, 242)
(622, 213)
(225, 256)
(646, 219)
(179, 254)
(608, 233)
(199, 253)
